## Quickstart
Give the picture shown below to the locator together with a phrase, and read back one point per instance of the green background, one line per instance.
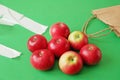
(74, 13)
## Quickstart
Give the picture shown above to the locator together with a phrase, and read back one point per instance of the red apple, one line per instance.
(70, 62)
(77, 39)
(42, 59)
(90, 54)
(59, 29)
(58, 45)
(36, 42)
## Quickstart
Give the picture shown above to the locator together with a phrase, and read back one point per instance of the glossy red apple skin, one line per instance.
(91, 54)
(37, 42)
(42, 59)
(77, 40)
(59, 29)
(70, 63)
(58, 45)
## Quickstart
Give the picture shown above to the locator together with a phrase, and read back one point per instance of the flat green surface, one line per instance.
(72, 12)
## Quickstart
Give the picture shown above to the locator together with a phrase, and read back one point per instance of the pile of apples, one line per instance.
(70, 48)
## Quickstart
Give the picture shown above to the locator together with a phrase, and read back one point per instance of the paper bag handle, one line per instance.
(98, 33)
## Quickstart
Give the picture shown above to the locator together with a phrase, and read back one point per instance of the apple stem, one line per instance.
(58, 41)
(34, 39)
(77, 36)
(71, 59)
(96, 34)
(90, 48)
(40, 54)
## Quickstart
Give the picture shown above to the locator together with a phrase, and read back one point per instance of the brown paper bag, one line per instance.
(110, 16)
